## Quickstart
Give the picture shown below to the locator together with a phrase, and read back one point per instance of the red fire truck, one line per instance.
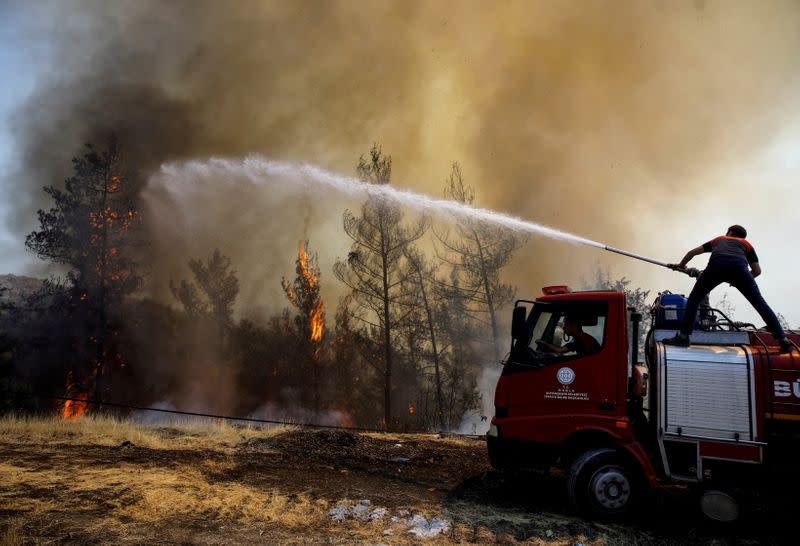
(573, 394)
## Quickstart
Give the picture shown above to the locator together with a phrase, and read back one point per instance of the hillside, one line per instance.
(15, 288)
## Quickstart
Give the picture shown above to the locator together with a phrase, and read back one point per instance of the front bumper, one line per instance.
(509, 453)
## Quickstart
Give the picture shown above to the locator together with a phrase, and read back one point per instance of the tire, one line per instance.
(720, 506)
(600, 485)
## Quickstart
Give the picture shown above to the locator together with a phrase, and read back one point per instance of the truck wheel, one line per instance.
(600, 484)
(719, 505)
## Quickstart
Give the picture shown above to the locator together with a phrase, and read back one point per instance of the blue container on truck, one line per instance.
(669, 311)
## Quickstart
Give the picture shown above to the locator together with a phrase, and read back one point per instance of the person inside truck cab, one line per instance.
(733, 260)
(581, 342)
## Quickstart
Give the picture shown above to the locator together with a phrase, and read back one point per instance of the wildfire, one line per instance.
(345, 420)
(311, 277)
(72, 409)
(302, 260)
(317, 322)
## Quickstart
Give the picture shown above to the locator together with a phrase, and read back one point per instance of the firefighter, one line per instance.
(581, 342)
(733, 260)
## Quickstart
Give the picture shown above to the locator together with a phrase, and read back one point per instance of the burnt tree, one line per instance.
(480, 252)
(375, 269)
(423, 295)
(212, 294)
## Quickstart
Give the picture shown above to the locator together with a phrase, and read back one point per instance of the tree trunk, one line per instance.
(315, 379)
(102, 319)
(432, 333)
(387, 335)
(489, 301)
(221, 334)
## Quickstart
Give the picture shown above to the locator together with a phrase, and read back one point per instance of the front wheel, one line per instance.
(601, 485)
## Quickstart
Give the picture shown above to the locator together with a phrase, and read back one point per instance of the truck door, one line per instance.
(566, 369)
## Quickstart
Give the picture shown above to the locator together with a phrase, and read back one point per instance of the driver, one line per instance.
(582, 343)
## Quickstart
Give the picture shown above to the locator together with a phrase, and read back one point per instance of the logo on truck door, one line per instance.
(565, 376)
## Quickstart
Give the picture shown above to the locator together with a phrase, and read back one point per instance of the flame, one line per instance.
(302, 259)
(317, 322)
(345, 420)
(411, 408)
(311, 278)
(72, 409)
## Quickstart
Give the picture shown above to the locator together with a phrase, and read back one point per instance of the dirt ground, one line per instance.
(105, 481)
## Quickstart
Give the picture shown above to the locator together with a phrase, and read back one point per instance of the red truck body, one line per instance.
(715, 411)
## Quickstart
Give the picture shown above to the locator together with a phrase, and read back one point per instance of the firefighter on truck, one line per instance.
(733, 260)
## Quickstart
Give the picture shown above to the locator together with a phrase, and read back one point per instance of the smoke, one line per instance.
(478, 421)
(586, 116)
(296, 414)
(290, 414)
(581, 115)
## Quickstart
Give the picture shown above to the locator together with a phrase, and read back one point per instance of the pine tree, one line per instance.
(376, 270)
(423, 281)
(91, 230)
(309, 322)
(212, 294)
(480, 253)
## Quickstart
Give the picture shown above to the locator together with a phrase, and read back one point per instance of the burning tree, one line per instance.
(376, 270)
(309, 323)
(481, 252)
(90, 230)
(214, 294)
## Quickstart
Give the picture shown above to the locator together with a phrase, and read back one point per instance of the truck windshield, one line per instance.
(560, 331)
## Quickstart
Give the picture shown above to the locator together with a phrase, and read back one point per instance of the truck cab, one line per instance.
(574, 395)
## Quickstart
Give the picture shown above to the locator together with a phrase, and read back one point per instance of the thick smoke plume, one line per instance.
(582, 115)
(586, 105)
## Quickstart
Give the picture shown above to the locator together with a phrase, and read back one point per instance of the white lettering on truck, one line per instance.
(785, 389)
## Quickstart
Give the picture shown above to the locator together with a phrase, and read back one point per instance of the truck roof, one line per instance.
(588, 295)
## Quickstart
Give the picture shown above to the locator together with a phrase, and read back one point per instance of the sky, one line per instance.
(19, 78)
(649, 127)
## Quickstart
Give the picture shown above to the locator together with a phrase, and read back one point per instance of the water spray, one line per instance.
(261, 171)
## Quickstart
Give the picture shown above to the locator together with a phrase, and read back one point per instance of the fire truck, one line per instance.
(721, 415)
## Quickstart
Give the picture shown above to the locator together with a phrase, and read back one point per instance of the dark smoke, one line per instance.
(587, 116)
(588, 106)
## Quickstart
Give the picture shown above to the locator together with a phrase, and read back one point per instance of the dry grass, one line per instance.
(426, 437)
(12, 535)
(110, 431)
(112, 498)
(79, 482)
(153, 494)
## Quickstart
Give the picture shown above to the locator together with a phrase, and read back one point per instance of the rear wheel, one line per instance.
(720, 505)
(600, 484)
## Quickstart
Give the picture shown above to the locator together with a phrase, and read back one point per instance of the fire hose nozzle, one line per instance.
(691, 271)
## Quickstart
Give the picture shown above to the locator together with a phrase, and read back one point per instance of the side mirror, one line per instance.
(518, 330)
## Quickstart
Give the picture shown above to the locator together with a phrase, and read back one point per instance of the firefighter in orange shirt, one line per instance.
(733, 260)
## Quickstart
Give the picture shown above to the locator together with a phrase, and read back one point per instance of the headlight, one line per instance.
(493, 431)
